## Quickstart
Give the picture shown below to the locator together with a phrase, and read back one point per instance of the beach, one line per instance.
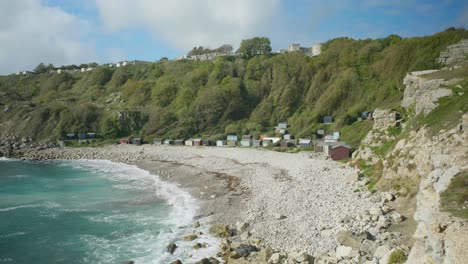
(290, 201)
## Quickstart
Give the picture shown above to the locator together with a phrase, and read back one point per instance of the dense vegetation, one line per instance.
(226, 95)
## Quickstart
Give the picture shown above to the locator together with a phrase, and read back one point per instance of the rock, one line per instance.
(276, 258)
(245, 250)
(171, 248)
(129, 262)
(220, 231)
(245, 235)
(368, 247)
(383, 222)
(204, 261)
(279, 216)
(176, 262)
(343, 252)
(385, 258)
(199, 245)
(264, 254)
(347, 238)
(375, 211)
(241, 227)
(325, 259)
(301, 257)
(190, 237)
(389, 196)
(397, 218)
(381, 251)
(196, 224)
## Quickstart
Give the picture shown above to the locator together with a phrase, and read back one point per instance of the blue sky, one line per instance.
(72, 32)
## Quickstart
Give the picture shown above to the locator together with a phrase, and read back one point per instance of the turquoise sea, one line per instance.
(91, 212)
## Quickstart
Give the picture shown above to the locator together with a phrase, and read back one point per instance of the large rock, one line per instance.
(221, 231)
(325, 259)
(455, 53)
(381, 251)
(301, 256)
(276, 258)
(245, 250)
(344, 252)
(347, 238)
(368, 247)
(171, 248)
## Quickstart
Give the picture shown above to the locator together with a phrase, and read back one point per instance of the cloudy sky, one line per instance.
(66, 32)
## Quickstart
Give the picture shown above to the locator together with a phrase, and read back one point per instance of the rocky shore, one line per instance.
(269, 207)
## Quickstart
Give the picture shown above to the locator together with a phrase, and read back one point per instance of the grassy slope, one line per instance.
(227, 95)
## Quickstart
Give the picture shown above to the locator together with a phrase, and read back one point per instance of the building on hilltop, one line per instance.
(315, 50)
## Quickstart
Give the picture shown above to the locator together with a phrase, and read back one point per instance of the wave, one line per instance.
(12, 235)
(177, 223)
(46, 205)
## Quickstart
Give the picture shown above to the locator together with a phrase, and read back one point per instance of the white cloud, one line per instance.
(188, 23)
(31, 32)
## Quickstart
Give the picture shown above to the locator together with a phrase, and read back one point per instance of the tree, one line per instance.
(226, 48)
(41, 68)
(255, 46)
(50, 67)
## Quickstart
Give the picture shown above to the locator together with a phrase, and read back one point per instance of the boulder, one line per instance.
(279, 216)
(190, 237)
(171, 248)
(245, 236)
(245, 250)
(375, 211)
(397, 218)
(196, 224)
(176, 262)
(301, 257)
(368, 247)
(325, 259)
(241, 227)
(347, 238)
(381, 251)
(383, 222)
(343, 252)
(221, 231)
(276, 258)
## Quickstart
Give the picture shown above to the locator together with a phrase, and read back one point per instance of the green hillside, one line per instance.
(227, 95)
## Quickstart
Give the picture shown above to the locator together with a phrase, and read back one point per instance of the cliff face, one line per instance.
(423, 158)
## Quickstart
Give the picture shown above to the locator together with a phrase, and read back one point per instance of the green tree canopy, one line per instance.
(255, 46)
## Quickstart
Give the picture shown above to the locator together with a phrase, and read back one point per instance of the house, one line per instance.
(59, 71)
(197, 142)
(305, 143)
(189, 142)
(328, 119)
(136, 141)
(232, 140)
(70, 136)
(158, 141)
(168, 141)
(206, 142)
(337, 150)
(257, 143)
(91, 135)
(246, 141)
(124, 141)
(179, 142)
(288, 137)
(367, 115)
(83, 69)
(282, 125)
(221, 143)
(82, 137)
(272, 139)
(321, 132)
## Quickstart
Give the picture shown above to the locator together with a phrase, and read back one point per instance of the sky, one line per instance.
(64, 32)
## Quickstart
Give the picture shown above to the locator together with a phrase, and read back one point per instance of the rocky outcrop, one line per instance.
(384, 119)
(454, 53)
(423, 94)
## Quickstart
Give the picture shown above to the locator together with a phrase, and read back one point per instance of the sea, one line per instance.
(90, 211)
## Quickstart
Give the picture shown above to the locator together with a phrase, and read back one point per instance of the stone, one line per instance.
(344, 252)
(383, 222)
(221, 231)
(385, 258)
(325, 259)
(264, 254)
(279, 216)
(375, 211)
(368, 247)
(381, 251)
(171, 248)
(196, 224)
(241, 227)
(300, 256)
(245, 250)
(176, 262)
(276, 258)
(245, 235)
(190, 237)
(396, 217)
(197, 246)
(347, 238)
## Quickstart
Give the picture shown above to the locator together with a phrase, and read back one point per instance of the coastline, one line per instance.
(280, 201)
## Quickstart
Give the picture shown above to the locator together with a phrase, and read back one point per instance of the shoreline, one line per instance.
(283, 202)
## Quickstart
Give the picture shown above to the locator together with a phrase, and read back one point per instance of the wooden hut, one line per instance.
(189, 142)
(91, 135)
(246, 141)
(179, 142)
(221, 143)
(70, 136)
(136, 141)
(305, 143)
(124, 141)
(197, 142)
(337, 151)
(267, 142)
(328, 119)
(318, 145)
(158, 141)
(232, 140)
(168, 142)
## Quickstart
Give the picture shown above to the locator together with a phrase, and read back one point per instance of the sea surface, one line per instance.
(92, 212)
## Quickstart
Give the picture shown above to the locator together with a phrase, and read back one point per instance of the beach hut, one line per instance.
(197, 142)
(158, 141)
(257, 143)
(305, 142)
(189, 142)
(318, 145)
(328, 119)
(288, 137)
(168, 141)
(179, 142)
(321, 132)
(70, 136)
(91, 135)
(221, 143)
(337, 150)
(136, 141)
(267, 142)
(246, 141)
(124, 141)
(206, 142)
(82, 137)
(232, 140)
